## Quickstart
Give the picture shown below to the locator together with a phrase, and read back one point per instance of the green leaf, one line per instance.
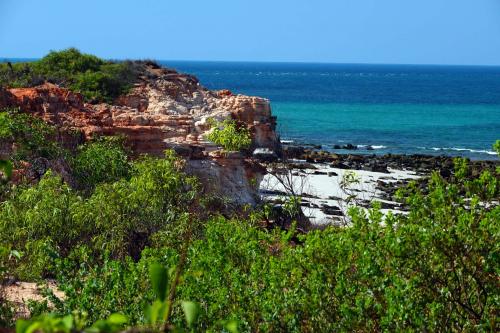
(15, 254)
(159, 279)
(67, 322)
(156, 312)
(191, 312)
(231, 326)
(117, 319)
(22, 325)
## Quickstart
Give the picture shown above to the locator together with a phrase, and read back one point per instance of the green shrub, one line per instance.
(60, 65)
(101, 161)
(33, 136)
(230, 136)
(7, 259)
(38, 222)
(434, 269)
(49, 220)
(96, 79)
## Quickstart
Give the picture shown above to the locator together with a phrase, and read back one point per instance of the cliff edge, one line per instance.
(163, 110)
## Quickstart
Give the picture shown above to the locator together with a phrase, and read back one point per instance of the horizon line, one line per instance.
(5, 59)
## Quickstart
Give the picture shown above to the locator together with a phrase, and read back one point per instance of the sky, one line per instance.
(455, 32)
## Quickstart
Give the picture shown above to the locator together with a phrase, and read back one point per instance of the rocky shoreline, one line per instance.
(320, 178)
(421, 164)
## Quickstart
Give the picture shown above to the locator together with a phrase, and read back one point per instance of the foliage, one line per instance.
(51, 323)
(112, 80)
(292, 206)
(7, 258)
(229, 135)
(155, 314)
(102, 161)
(33, 137)
(49, 219)
(434, 269)
(96, 79)
(63, 64)
(6, 169)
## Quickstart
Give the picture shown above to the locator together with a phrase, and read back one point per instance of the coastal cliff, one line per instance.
(163, 110)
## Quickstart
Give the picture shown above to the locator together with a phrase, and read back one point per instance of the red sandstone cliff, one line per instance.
(163, 110)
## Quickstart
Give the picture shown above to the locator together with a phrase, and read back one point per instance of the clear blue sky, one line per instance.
(352, 31)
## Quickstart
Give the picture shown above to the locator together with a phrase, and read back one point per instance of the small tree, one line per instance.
(229, 135)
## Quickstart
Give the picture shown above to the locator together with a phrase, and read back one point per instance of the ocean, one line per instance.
(399, 109)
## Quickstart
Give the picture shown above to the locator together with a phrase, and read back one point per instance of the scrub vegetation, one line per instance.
(96, 79)
(131, 244)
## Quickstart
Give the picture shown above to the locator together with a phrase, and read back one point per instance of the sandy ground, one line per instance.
(324, 199)
(20, 293)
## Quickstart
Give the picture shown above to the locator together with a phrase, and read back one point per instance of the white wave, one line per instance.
(489, 152)
(287, 141)
(371, 146)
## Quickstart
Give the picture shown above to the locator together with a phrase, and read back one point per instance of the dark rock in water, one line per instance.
(265, 155)
(317, 147)
(293, 151)
(350, 146)
(331, 173)
(316, 172)
(337, 147)
(332, 197)
(369, 148)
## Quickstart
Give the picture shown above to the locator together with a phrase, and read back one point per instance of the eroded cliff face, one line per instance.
(163, 110)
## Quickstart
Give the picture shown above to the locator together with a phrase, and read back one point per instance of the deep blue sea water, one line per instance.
(406, 109)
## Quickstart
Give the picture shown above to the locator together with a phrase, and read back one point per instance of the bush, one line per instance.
(49, 220)
(434, 269)
(101, 161)
(7, 258)
(230, 136)
(60, 65)
(96, 79)
(114, 286)
(33, 137)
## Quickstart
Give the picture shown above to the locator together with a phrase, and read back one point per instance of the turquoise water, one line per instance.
(393, 128)
(438, 110)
